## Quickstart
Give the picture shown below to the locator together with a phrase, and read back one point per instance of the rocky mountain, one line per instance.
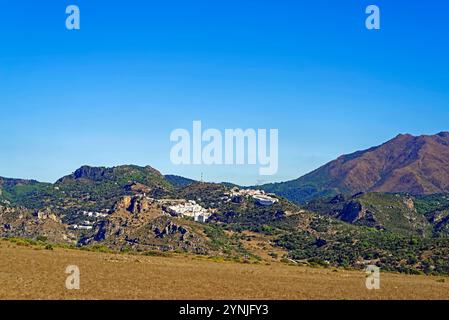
(406, 164)
(131, 208)
(113, 182)
(88, 188)
(392, 212)
(119, 174)
(139, 223)
(25, 223)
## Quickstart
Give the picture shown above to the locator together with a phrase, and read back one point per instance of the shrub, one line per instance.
(42, 238)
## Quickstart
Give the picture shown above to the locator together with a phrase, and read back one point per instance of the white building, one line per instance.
(265, 201)
(260, 196)
(80, 227)
(191, 209)
(202, 218)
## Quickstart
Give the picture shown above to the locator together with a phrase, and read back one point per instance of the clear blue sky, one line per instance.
(112, 92)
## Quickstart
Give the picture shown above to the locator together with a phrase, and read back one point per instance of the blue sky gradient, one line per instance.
(112, 92)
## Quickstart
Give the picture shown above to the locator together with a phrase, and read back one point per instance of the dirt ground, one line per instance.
(36, 273)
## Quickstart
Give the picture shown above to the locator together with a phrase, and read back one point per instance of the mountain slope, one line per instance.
(139, 223)
(88, 188)
(119, 176)
(408, 164)
(27, 193)
(98, 188)
(179, 181)
(125, 208)
(22, 222)
(397, 213)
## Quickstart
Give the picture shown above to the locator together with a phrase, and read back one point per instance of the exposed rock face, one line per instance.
(91, 173)
(21, 222)
(385, 211)
(170, 229)
(408, 164)
(355, 212)
(96, 174)
(352, 212)
(409, 203)
(48, 215)
(140, 223)
(137, 205)
(138, 187)
(441, 221)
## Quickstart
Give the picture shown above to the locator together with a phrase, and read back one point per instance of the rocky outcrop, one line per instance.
(170, 230)
(352, 212)
(139, 223)
(23, 223)
(393, 212)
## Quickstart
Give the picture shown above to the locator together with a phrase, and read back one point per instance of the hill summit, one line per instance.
(406, 164)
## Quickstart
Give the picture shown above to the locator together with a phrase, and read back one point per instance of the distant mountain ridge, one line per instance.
(10, 182)
(406, 164)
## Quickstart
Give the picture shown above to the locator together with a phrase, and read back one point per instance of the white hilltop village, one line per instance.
(185, 208)
(193, 210)
(261, 197)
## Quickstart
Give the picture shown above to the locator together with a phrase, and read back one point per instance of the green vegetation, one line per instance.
(38, 242)
(221, 242)
(395, 213)
(179, 182)
(351, 246)
(430, 203)
(397, 232)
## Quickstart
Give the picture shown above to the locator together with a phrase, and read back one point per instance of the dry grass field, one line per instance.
(35, 273)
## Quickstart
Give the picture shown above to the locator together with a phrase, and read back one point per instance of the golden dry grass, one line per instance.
(32, 273)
